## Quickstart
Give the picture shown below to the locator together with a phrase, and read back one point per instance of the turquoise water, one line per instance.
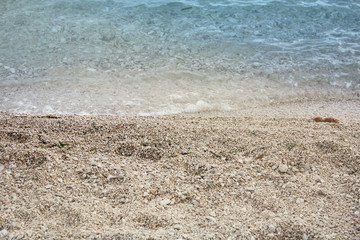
(163, 57)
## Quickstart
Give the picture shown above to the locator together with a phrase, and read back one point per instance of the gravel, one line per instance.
(245, 176)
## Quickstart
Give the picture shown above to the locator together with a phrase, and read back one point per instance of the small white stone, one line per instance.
(211, 219)
(12, 235)
(165, 202)
(248, 160)
(268, 214)
(177, 226)
(3, 233)
(93, 162)
(213, 214)
(283, 168)
(12, 70)
(91, 69)
(14, 196)
(1, 167)
(318, 179)
(299, 201)
(250, 189)
(55, 29)
(293, 179)
(305, 237)
(271, 228)
(48, 186)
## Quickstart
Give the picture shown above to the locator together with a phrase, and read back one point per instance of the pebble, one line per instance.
(48, 186)
(318, 179)
(1, 167)
(91, 69)
(3, 233)
(271, 228)
(305, 237)
(283, 168)
(177, 226)
(248, 160)
(307, 167)
(11, 235)
(250, 189)
(211, 219)
(268, 214)
(293, 179)
(299, 201)
(348, 196)
(55, 29)
(165, 202)
(213, 214)
(111, 177)
(93, 162)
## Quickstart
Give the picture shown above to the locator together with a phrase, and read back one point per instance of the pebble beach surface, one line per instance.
(261, 173)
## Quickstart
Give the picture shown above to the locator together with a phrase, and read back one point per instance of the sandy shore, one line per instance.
(260, 173)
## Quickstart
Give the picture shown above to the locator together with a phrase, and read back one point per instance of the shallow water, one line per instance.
(163, 57)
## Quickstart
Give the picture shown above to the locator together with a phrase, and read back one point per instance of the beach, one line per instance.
(190, 119)
(267, 172)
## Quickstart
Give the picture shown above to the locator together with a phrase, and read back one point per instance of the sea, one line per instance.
(159, 57)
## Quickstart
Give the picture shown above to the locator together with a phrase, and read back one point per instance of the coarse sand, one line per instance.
(259, 173)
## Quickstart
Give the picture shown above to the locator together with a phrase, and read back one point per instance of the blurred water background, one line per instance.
(151, 57)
